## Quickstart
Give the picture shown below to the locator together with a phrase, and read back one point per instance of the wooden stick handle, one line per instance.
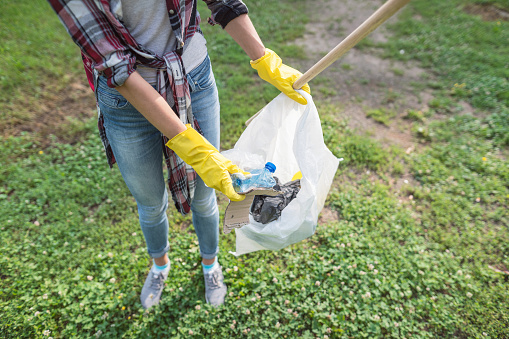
(376, 19)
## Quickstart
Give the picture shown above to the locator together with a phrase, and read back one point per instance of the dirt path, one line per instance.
(361, 80)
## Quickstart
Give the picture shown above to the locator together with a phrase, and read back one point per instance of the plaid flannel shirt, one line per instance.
(109, 49)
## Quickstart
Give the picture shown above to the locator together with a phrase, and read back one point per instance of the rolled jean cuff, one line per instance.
(159, 254)
(210, 256)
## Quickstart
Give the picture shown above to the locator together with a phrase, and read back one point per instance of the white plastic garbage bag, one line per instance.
(290, 136)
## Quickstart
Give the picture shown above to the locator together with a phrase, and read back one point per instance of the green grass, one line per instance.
(415, 115)
(503, 4)
(398, 71)
(346, 67)
(459, 48)
(35, 54)
(390, 97)
(409, 255)
(381, 115)
(326, 91)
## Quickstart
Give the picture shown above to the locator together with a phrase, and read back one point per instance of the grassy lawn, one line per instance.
(35, 58)
(423, 260)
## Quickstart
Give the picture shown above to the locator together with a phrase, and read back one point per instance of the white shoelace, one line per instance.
(211, 280)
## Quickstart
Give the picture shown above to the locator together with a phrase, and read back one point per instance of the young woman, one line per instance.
(148, 65)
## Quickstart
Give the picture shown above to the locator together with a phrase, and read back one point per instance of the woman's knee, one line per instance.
(206, 206)
(153, 215)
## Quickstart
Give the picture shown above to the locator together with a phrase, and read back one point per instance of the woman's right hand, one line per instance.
(211, 166)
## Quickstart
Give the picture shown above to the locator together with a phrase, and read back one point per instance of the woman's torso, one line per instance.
(149, 24)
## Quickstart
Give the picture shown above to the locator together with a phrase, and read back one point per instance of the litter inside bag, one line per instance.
(267, 208)
(289, 135)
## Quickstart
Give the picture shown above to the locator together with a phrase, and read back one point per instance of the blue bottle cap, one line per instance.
(271, 167)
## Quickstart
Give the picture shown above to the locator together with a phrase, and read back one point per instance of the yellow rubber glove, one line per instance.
(270, 68)
(206, 160)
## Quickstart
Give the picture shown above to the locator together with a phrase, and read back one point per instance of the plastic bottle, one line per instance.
(259, 178)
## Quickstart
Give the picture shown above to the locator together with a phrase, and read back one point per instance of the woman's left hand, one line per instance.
(270, 68)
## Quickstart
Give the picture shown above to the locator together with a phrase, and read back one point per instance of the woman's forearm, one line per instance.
(241, 29)
(152, 105)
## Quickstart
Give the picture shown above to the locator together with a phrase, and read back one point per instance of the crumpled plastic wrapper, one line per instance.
(267, 208)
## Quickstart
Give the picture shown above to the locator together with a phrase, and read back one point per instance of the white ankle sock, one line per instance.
(160, 269)
(211, 267)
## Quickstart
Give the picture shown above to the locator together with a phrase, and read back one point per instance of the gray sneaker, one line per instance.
(215, 289)
(153, 288)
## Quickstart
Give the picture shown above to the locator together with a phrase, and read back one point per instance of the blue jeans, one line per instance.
(137, 147)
